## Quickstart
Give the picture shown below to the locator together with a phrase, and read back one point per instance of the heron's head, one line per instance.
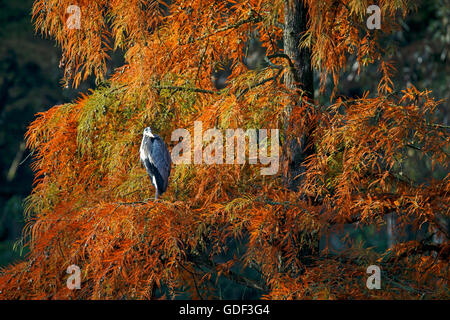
(148, 132)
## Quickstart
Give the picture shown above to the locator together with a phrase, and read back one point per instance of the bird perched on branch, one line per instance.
(156, 158)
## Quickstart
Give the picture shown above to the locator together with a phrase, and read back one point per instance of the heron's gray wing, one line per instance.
(160, 159)
(147, 159)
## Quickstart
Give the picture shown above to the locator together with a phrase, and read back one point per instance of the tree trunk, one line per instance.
(298, 145)
(295, 149)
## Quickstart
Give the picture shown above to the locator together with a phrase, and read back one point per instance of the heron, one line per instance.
(156, 159)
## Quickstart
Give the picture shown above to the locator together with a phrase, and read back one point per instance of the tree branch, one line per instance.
(258, 84)
(232, 26)
(284, 56)
(178, 88)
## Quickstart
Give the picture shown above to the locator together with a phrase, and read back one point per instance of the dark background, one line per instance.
(30, 82)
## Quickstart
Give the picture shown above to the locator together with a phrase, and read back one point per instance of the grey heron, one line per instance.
(156, 158)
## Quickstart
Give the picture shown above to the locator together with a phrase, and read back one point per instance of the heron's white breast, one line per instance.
(142, 151)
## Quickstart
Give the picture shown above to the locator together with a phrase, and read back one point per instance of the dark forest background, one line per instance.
(30, 83)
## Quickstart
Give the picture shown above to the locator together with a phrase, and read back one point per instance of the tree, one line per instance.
(342, 163)
(26, 87)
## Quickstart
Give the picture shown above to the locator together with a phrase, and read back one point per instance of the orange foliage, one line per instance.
(92, 200)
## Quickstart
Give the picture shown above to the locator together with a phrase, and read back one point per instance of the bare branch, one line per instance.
(177, 88)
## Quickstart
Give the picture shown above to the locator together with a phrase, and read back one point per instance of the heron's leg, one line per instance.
(156, 194)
